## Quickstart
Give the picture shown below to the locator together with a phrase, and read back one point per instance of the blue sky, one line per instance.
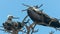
(14, 7)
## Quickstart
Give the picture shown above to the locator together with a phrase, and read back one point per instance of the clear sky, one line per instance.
(14, 7)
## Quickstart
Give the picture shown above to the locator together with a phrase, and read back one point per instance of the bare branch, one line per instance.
(24, 19)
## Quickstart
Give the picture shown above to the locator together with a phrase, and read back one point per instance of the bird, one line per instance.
(9, 23)
(41, 18)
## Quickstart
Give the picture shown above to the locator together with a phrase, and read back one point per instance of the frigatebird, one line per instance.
(41, 18)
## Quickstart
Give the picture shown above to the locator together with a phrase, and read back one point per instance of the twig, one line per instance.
(24, 19)
(29, 28)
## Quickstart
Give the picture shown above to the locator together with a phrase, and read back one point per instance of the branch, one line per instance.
(24, 19)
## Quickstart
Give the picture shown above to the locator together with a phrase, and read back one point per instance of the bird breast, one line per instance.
(34, 16)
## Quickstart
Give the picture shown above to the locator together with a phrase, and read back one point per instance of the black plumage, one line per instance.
(39, 17)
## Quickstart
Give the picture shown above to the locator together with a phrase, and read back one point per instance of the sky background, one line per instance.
(14, 7)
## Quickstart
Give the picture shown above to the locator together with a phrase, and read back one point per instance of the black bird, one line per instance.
(8, 24)
(41, 18)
